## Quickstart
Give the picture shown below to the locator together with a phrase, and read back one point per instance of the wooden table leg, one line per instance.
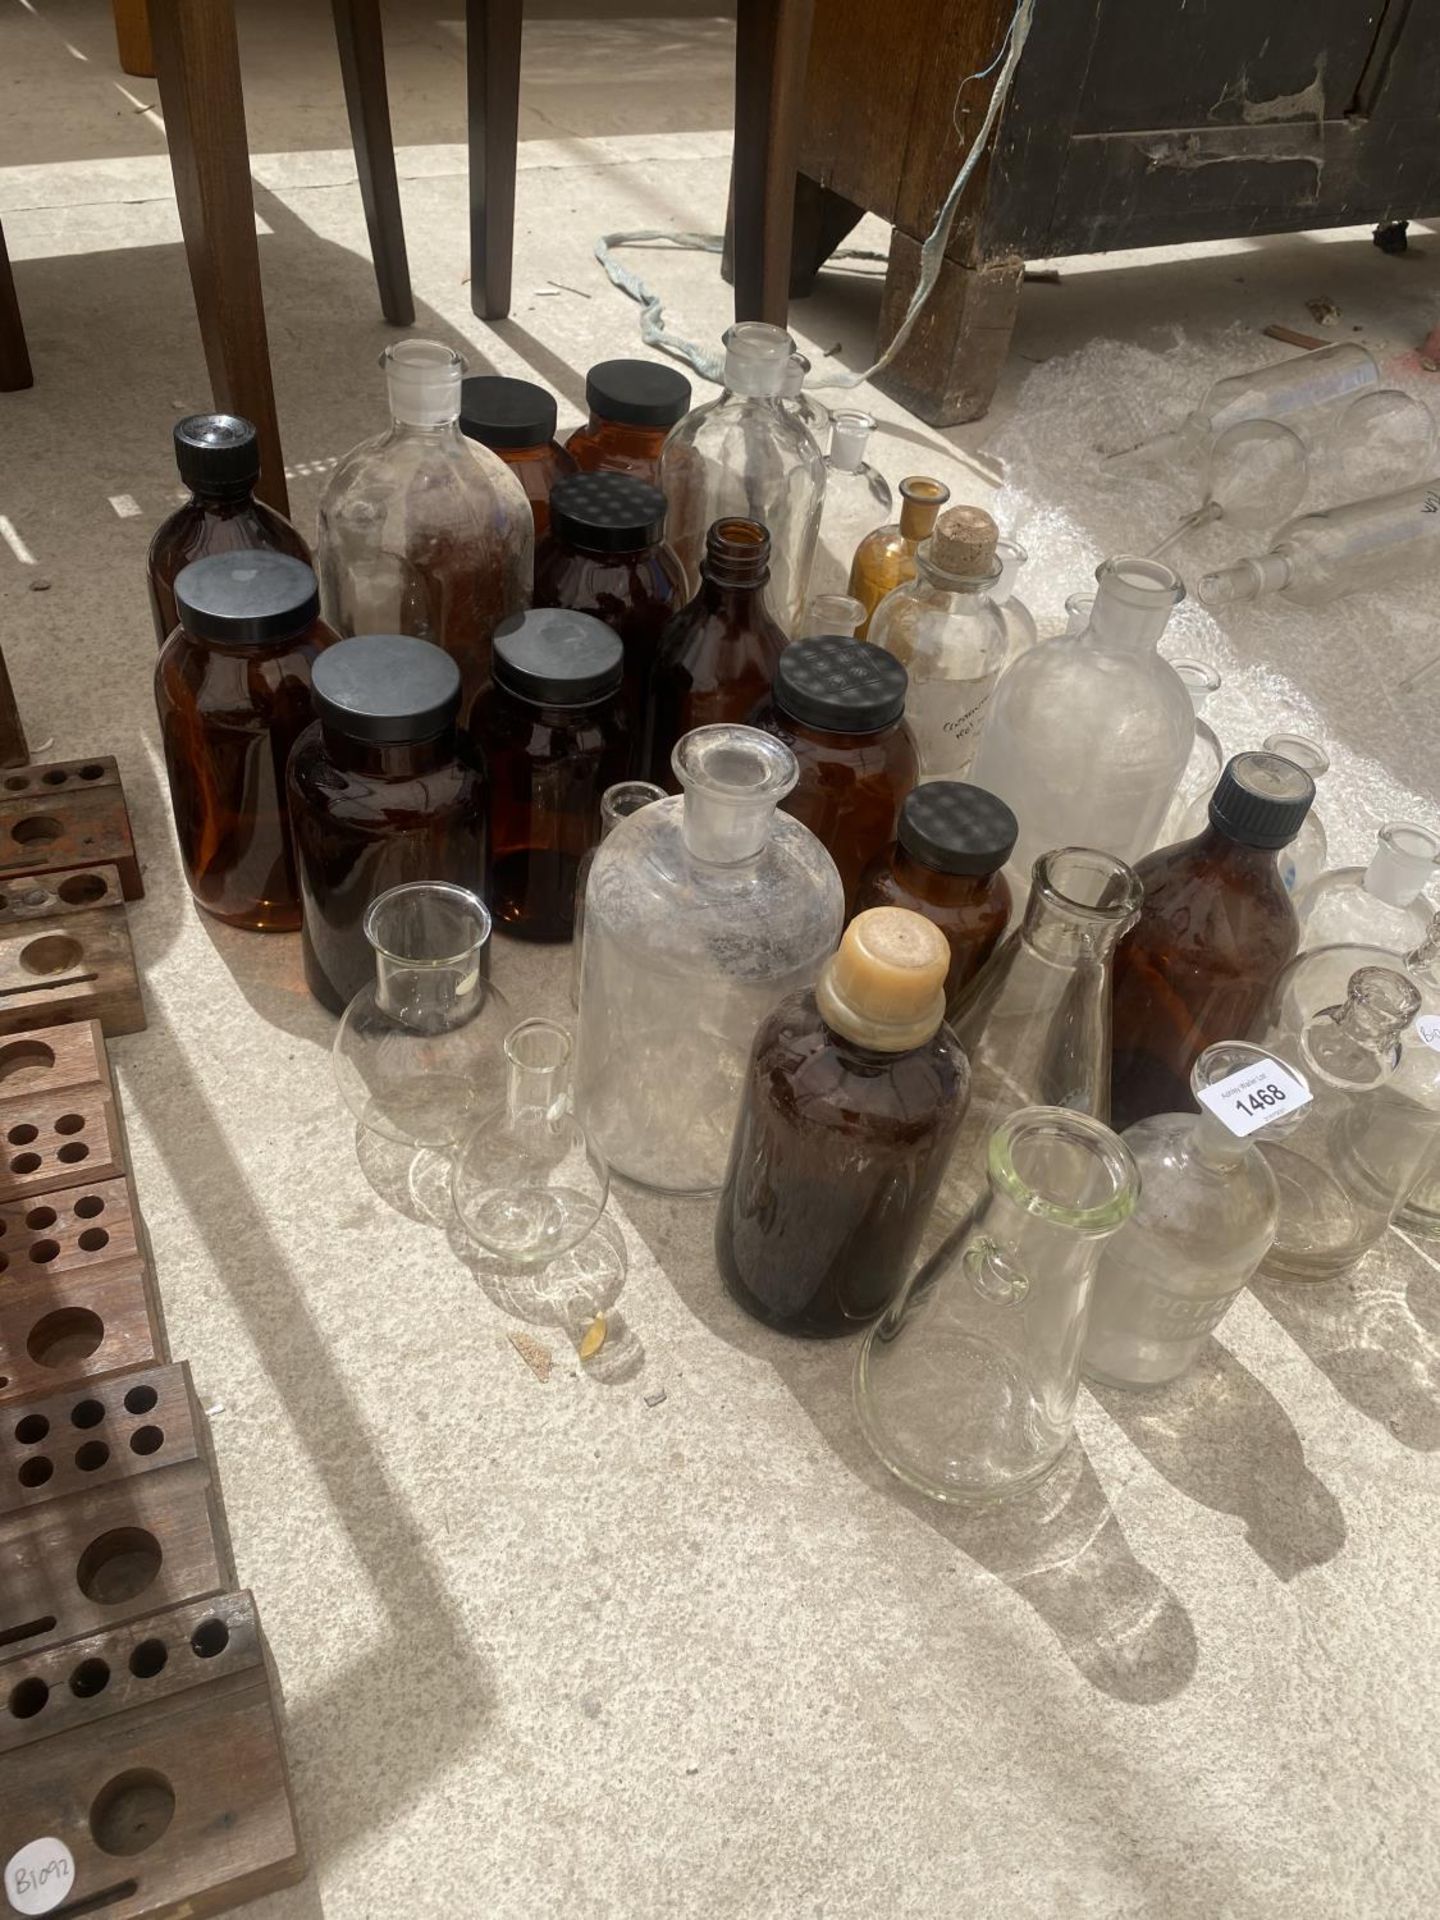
(772, 51)
(14, 354)
(492, 63)
(198, 68)
(359, 38)
(948, 369)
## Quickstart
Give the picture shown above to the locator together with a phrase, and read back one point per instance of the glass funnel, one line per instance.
(420, 1048)
(857, 501)
(1255, 475)
(966, 1385)
(1355, 548)
(617, 803)
(1206, 762)
(1379, 905)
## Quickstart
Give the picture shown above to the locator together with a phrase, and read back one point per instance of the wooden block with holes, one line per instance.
(76, 1326)
(151, 1756)
(66, 954)
(107, 1507)
(71, 813)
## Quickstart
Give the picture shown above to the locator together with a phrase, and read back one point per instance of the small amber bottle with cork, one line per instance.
(885, 558)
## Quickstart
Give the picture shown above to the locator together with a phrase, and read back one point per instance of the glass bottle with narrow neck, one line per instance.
(1353, 548)
(857, 501)
(885, 559)
(800, 402)
(1206, 762)
(1378, 905)
(617, 803)
(1307, 855)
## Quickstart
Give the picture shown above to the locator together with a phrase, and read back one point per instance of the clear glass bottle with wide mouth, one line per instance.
(966, 1385)
(1379, 905)
(515, 419)
(857, 501)
(700, 914)
(633, 405)
(885, 559)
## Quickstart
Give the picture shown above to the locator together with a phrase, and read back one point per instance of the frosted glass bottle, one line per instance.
(1380, 905)
(1353, 548)
(745, 456)
(857, 500)
(1307, 854)
(701, 913)
(1086, 739)
(1206, 762)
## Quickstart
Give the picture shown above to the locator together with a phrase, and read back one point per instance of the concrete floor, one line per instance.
(569, 1647)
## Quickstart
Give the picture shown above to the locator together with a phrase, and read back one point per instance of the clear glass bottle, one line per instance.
(422, 532)
(950, 637)
(218, 455)
(1254, 475)
(744, 456)
(1380, 905)
(1206, 762)
(1307, 854)
(617, 803)
(717, 657)
(802, 404)
(1019, 621)
(1086, 739)
(1215, 931)
(1206, 1216)
(633, 405)
(855, 1089)
(700, 914)
(515, 419)
(1352, 548)
(1292, 390)
(885, 559)
(832, 613)
(946, 863)
(857, 501)
(419, 1052)
(966, 1385)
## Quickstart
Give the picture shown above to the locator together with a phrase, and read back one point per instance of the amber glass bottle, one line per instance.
(946, 860)
(855, 1093)
(1214, 932)
(839, 705)
(555, 733)
(232, 686)
(380, 795)
(633, 405)
(885, 558)
(218, 455)
(516, 420)
(718, 656)
(605, 555)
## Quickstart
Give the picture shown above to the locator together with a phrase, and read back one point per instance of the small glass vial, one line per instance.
(633, 405)
(832, 613)
(218, 455)
(555, 734)
(857, 501)
(380, 795)
(839, 705)
(885, 559)
(946, 863)
(232, 687)
(617, 803)
(605, 555)
(1379, 905)
(855, 1090)
(515, 419)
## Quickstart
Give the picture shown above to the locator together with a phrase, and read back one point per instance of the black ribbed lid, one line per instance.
(247, 599)
(506, 413)
(638, 393)
(606, 512)
(557, 658)
(387, 688)
(956, 828)
(217, 453)
(1261, 800)
(844, 686)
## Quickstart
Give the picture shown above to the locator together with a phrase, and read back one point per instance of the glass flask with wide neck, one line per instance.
(1206, 762)
(1355, 548)
(700, 914)
(857, 501)
(885, 559)
(744, 456)
(617, 803)
(419, 1051)
(1204, 1221)
(1379, 905)
(422, 531)
(966, 1385)
(1086, 739)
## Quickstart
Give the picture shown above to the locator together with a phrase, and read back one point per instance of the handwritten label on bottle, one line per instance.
(40, 1876)
(1255, 1096)
(1427, 1030)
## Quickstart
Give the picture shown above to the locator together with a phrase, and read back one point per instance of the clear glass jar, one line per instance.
(948, 634)
(633, 405)
(232, 688)
(744, 456)
(1206, 762)
(857, 501)
(885, 559)
(218, 455)
(1379, 905)
(1086, 739)
(422, 532)
(700, 914)
(617, 803)
(515, 419)
(380, 793)
(966, 1385)
(1206, 1216)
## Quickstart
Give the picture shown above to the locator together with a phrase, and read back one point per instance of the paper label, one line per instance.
(1427, 1030)
(1255, 1096)
(40, 1876)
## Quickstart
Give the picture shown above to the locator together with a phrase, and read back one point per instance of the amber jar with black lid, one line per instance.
(515, 419)
(946, 863)
(839, 705)
(232, 686)
(555, 733)
(382, 793)
(218, 455)
(633, 405)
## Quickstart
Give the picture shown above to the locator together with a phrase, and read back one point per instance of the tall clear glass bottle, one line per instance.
(744, 456)
(857, 501)
(966, 1385)
(885, 559)
(1206, 762)
(1293, 390)
(1352, 548)
(421, 530)
(700, 914)
(617, 803)
(1379, 905)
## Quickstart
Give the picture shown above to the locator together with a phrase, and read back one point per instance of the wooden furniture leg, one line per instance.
(948, 369)
(362, 68)
(198, 68)
(772, 49)
(492, 65)
(822, 220)
(14, 354)
(132, 38)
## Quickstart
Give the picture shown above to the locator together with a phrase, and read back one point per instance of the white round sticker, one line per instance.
(39, 1876)
(1427, 1029)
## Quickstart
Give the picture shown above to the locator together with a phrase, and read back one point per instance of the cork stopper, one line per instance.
(884, 986)
(964, 542)
(920, 501)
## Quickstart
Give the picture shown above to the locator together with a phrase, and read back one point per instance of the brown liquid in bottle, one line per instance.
(515, 419)
(633, 405)
(885, 559)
